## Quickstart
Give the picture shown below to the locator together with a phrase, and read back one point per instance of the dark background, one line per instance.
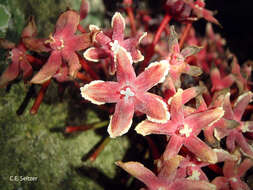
(236, 17)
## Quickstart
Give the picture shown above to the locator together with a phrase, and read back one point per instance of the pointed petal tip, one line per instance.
(142, 37)
(167, 115)
(119, 16)
(93, 27)
(114, 134)
(87, 56)
(140, 129)
(220, 112)
(140, 57)
(164, 64)
(85, 95)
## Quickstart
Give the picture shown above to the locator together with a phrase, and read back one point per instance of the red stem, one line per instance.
(87, 68)
(99, 149)
(83, 77)
(130, 14)
(80, 28)
(185, 34)
(40, 97)
(35, 60)
(150, 51)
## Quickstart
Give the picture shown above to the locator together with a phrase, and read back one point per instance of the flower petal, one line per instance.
(200, 149)
(153, 106)
(155, 73)
(73, 63)
(139, 171)
(6, 44)
(118, 25)
(191, 93)
(136, 55)
(49, 69)
(9, 74)
(190, 50)
(246, 148)
(35, 44)
(84, 9)
(100, 92)
(173, 147)
(78, 42)
(176, 108)
(173, 41)
(125, 70)
(67, 23)
(204, 119)
(94, 54)
(221, 183)
(192, 185)
(121, 120)
(241, 104)
(30, 30)
(147, 127)
(244, 167)
(26, 68)
(101, 38)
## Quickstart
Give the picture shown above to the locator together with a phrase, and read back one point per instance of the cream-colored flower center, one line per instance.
(186, 130)
(195, 175)
(114, 46)
(127, 93)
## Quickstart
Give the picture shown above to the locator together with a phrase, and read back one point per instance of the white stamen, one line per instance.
(185, 131)
(195, 175)
(233, 179)
(127, 93)
(115, 46)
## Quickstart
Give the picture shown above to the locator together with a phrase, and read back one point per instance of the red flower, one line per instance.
(107, 44)
(184, 129)
(130, 93)
(18, 56)
(63, 44)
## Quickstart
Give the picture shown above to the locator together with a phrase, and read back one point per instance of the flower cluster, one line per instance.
(187, 88)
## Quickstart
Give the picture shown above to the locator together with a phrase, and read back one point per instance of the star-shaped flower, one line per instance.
(232, 175)
(176, 59)
(218, 82)
(107, 44)
(130, 93)
(234, 134)
(183, 130)
(63, 44)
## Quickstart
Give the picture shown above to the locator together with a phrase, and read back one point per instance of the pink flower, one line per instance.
(63, 44)
(176, 59)
(232, 175)
(107, 44)
(184, 129)
(234, 133)
(167, 178)
(130, 93)
(218, 82)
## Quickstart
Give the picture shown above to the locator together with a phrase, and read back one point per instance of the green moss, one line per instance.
(30, 147)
